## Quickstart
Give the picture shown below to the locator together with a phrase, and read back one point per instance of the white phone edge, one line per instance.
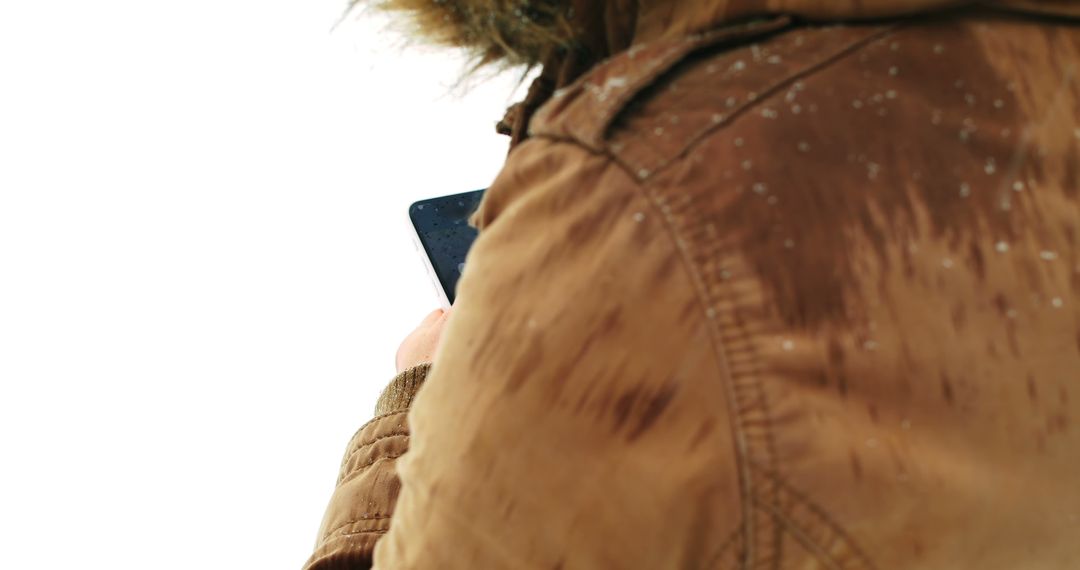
(428, 267)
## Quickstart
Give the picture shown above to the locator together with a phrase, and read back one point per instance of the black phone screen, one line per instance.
(442, 225)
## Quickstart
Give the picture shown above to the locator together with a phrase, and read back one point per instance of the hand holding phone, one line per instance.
(420, 346)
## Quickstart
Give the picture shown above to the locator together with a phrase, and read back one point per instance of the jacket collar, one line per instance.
(657, 19)
(608, 27)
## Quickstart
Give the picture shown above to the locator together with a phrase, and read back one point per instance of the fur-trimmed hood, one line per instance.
(568, 37)
(527, 32)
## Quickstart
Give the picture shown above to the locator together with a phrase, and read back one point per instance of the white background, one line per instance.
(204, 266)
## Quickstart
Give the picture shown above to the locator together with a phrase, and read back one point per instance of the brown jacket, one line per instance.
(760, 293)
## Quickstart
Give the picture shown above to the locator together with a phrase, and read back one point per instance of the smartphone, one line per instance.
(443, 236)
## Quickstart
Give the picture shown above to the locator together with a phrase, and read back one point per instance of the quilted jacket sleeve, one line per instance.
(367, 487)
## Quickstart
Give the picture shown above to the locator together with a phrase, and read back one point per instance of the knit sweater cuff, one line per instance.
(399, 394)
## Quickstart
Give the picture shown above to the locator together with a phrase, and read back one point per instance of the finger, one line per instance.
(432, 317)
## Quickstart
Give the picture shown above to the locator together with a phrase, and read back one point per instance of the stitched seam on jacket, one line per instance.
(377, 418)
(354, 521)
(353, 533)
(744, 394)
(778, 515)
(353, 473)
(644, 189)
(372, 442)
(797, 532)
(812, 515)
(690, 266)
(743, 430)
(751, 30)
(663, 61)
(694, 140)
(365, 426)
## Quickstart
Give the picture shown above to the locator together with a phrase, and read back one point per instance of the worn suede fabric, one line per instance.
(760, 292)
